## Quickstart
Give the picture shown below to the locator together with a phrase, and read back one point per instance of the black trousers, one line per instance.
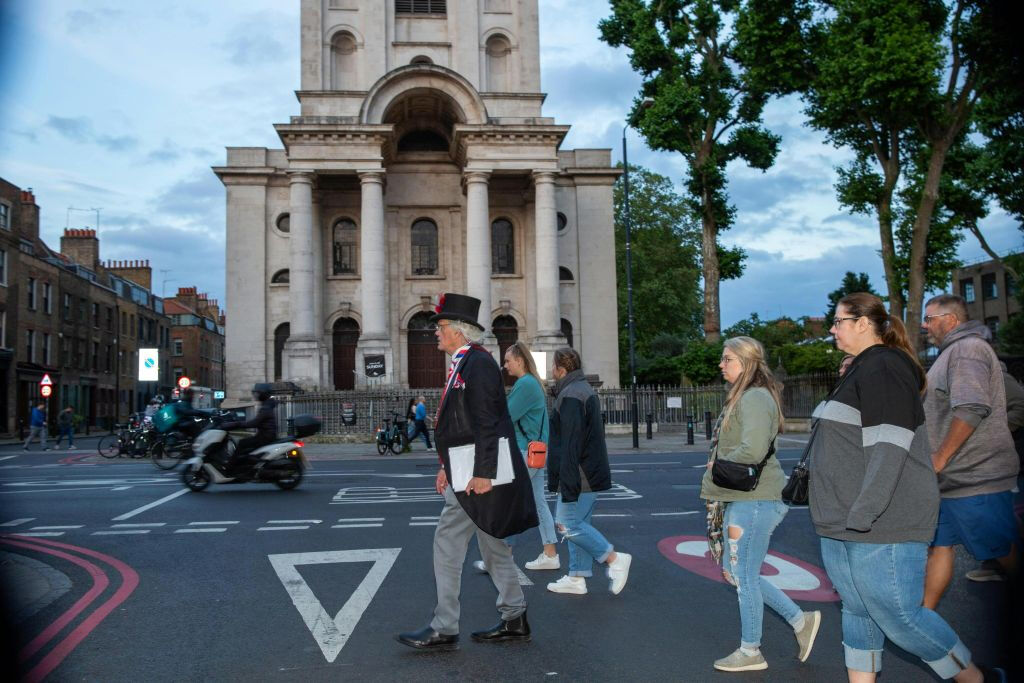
(420, 428)
(249, 444)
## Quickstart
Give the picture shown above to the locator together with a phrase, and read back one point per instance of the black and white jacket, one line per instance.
(872, 479)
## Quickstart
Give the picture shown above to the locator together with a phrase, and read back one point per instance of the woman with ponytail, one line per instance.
(874, 497)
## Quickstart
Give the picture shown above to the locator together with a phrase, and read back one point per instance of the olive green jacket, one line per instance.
(746, 437)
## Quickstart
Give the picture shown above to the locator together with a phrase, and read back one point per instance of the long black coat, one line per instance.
(474, 411)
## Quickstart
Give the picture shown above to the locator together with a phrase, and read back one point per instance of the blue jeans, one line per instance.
(882, 585)
(70, 432)
(586, 543)
(757, 520)
(546, 527)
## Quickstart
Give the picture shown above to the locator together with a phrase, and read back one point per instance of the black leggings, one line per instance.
(249, 444)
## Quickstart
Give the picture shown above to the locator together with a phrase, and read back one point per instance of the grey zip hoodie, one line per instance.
(966, 381)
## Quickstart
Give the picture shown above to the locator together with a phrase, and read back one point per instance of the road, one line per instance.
(114, 572)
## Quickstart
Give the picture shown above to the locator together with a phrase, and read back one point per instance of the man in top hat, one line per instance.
(473, 411)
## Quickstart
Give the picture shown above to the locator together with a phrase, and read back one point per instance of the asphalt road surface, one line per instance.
(114, 572)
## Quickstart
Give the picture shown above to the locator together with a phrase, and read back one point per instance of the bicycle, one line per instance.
(170, 449)
(391, 435)
(134, 442)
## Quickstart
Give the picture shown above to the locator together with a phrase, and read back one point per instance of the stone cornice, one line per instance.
(466, 135)
(321, 133)
(593, 176)
(241, 175)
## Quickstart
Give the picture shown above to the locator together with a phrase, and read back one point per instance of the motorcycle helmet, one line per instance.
(261, 391)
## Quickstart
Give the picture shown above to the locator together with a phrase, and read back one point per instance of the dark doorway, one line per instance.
(281, 335)
(507, 332)
(345, 336)
(567, 331)
(426, 363)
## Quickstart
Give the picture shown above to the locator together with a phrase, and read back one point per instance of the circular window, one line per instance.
(284, 222)
(562, 221)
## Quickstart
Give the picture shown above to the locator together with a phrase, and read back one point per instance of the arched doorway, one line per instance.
(567, 331)
(425, 361)
(281, 334)
(507, 332)
(345, 336)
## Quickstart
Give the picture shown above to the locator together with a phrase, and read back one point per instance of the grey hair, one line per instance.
(950, 303)
(472, 333)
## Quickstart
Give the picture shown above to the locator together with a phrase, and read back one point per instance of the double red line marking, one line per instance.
(100, 582)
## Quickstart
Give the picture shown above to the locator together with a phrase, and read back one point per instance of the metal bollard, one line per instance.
(650, 426)
(707, 425)
(689, 430)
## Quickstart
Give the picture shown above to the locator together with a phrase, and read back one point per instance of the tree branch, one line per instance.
(973, 227)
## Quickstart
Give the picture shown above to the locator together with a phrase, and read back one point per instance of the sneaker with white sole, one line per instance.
(738, 661)
(618, 572)
(576, 585)
(544, 562)
(805, 636)
(480, 566)
(990, 570)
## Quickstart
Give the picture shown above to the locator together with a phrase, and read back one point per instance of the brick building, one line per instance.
(67, 315)
(197, 338)
(990, 292)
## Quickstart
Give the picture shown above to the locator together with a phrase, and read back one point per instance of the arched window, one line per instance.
(421, 59)
(424, 247)
(567, 331)
(497, 49)
(343, 53)
(564, 274)
(284, 222)
(506, 331)
(281, 334)
(345, 337)
(503, 253)
(422, 141)
(280, 277)
(426, 364)
(345, 245)
(562, 221)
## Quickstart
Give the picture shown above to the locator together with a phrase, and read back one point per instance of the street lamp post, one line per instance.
(629, 294)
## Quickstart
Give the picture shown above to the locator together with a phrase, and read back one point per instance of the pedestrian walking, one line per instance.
(973, 451)
(419, 422)
(66, 426)
(37, 426)
(874, 497)
(474, 431)
(577, 470)
(750, 421)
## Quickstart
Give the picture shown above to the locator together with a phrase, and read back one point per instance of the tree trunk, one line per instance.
(919, 240)
(896, 303)
(709, 253)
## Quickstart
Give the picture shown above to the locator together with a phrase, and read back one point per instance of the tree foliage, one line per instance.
(851, 284)
(699, 363)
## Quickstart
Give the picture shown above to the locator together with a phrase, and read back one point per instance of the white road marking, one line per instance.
(422, 523)
(137, 526)
(666, 514)
(293, 521)
(122, 532)
(120, 488)
(428, 517)
(7, 457)
(354, 495)
(331, 634)
(282, 528)
(148, 506)
(609, 515)
(39, 533)
(53, 528)
(524, 580)
(361, 519)
(210, 523)
(354, 526)
(620, 471)
(17, 522)
(200, 530)
(61, 490)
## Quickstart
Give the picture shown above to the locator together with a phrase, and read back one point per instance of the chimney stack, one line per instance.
(78, 244)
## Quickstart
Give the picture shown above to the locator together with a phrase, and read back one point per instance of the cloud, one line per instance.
(118, 143)
(78, 128)
(92, 20)
(199, 197)
(252, 41)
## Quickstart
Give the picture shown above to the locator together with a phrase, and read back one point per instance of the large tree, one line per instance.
(852, 283)
(665, 245)
(702, 106)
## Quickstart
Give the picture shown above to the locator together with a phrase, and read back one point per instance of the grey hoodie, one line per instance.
(966, 381)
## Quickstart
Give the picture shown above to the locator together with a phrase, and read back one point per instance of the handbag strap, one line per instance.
(814, 429)
(540, 437)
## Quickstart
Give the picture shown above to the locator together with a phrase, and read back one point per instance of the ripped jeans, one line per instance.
(586, 543)
(743, 557)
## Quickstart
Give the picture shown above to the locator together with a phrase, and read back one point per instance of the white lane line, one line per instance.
(667, 514)
(39, 533)
(425, 523)
(137, 526)
(435, 517)
(664, 462)
(282, 528)
(89, 488)
(354, 526)
(54, 528)
(17, 522)
(209, 523)
(120, 488)
(8, 457)
(293, 521)
(524, 580)
(200, 530)
(148, 506)
(122, 532)
(361, 519)
(611, 515)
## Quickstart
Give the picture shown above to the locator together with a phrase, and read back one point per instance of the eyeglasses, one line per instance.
(836, 321)
(937, 315)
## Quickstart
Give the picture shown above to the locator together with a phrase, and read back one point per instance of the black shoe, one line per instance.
(993, 674)
(429, 639)
(513, 629)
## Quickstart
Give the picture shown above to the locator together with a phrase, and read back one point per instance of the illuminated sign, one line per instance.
(149, 365)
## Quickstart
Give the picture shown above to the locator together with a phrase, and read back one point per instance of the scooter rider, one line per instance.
(265, 424)
(184, 410)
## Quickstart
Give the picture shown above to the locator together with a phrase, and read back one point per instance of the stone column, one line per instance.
(478, 245)
(374, 337)
(549, 324)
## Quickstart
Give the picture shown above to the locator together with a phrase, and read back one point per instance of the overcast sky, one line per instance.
(125, 106)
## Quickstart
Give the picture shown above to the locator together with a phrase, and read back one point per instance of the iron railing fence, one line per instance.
(667, 405)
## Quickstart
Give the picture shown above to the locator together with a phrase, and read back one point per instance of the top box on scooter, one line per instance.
(165, 418)
(305, 425)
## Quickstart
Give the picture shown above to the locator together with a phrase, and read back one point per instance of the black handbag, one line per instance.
(797, 489)
(738, 476)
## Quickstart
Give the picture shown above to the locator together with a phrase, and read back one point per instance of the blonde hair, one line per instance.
(754, 373)
(521, 350)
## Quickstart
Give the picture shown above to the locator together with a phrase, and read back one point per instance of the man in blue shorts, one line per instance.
(973, 452)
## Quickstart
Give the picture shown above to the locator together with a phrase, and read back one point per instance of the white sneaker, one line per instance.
(576, 585)
(544, 562)
(618, 572)
(480, 566)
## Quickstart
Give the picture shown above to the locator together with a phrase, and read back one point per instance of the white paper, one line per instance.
(462, 459)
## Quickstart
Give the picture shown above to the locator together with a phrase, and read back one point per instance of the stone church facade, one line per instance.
(419, 163)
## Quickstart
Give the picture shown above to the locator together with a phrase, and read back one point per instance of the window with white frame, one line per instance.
(5, 215)
(179, 347)
(47, 291)
(31, 289)
(3, 266)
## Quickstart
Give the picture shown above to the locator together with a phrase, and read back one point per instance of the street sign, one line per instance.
(149, 365)
(184, 382)
(218, 395)
(46, 381)
(46, 390)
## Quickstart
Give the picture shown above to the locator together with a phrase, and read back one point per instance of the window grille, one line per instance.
(421, 7)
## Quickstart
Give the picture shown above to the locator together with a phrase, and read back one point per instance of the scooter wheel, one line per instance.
(196, 478)
(293, 479)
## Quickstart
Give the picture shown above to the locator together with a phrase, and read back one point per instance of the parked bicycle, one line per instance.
(392, 435)
(170, 449)
(133, 439)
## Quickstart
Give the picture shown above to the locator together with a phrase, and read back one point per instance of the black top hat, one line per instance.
(457, 307)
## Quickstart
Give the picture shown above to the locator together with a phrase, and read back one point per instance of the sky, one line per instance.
(124, 106)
